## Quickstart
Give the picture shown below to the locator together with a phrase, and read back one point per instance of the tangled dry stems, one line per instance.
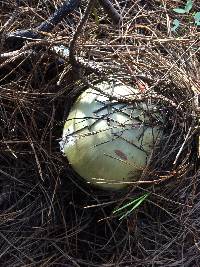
(49, 217)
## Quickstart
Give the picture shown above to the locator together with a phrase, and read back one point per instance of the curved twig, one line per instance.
(111, 11)
(72, 58)
(58, 15)
(46, 26)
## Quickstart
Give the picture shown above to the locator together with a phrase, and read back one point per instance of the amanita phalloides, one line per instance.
(109, 134)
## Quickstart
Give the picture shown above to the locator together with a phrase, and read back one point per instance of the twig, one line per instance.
(111, 11)
(58, 15)
(72, 43)
(15, 53)
(47, 25)
(181, 149)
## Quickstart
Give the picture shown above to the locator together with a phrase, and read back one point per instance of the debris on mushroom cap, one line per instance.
(109, 135)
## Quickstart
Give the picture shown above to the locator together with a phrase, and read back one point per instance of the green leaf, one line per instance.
(197, 18)
(136, 203)
(176, 24)
(179, 10)
(188, 6)
(184, 10)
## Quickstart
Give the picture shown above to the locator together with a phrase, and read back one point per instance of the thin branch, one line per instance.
(45, 26)
(111, 11)
(58, 15)
(48, 25)
(72, 43)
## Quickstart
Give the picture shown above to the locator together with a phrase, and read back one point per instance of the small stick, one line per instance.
(58, 15)
(111, 11)
(53, 20)
(67, 7)
(46, 26)
(72, 58)
(181, 149)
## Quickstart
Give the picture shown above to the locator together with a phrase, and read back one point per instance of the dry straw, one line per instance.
(49, 217)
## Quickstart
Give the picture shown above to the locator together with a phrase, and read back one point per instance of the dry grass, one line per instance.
(49, 217)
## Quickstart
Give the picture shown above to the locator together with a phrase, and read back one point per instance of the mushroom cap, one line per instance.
(108, 136)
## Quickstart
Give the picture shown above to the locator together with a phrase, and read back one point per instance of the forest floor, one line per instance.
(49, 216)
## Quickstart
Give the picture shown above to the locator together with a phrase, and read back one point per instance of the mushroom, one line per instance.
(109, 135)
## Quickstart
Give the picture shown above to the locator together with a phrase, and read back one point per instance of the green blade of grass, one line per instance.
(96, 17)
(135, 206)
(130, 203)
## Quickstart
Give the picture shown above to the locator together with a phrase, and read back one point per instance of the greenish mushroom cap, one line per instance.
(106, 141)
